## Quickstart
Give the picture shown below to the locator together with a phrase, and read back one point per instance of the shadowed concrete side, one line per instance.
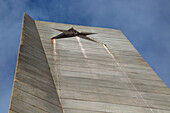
(33, 90)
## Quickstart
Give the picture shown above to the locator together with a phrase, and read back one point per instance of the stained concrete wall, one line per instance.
(89, 77)
(34, 90)
(93, 78)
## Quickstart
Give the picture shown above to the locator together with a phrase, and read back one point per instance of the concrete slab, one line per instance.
(79, 76)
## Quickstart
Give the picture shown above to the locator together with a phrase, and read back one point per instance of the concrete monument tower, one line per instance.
(101, 74)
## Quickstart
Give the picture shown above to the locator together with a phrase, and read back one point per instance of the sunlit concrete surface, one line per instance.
(73, 75)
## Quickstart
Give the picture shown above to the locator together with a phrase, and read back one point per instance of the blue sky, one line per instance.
(146, 23)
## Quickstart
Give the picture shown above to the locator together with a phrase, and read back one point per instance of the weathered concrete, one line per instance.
(89, 77)
(99, 82)
(34, 90)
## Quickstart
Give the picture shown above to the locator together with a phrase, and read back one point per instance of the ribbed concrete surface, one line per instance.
(89, 77)
(34, 90)
(93, 78)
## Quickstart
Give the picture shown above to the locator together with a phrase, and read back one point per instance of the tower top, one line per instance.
(73, 75)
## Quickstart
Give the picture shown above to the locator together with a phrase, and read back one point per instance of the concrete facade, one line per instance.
(74, 75)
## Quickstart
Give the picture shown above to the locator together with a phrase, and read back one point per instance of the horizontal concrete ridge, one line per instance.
(106, 76)
(34, 90)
